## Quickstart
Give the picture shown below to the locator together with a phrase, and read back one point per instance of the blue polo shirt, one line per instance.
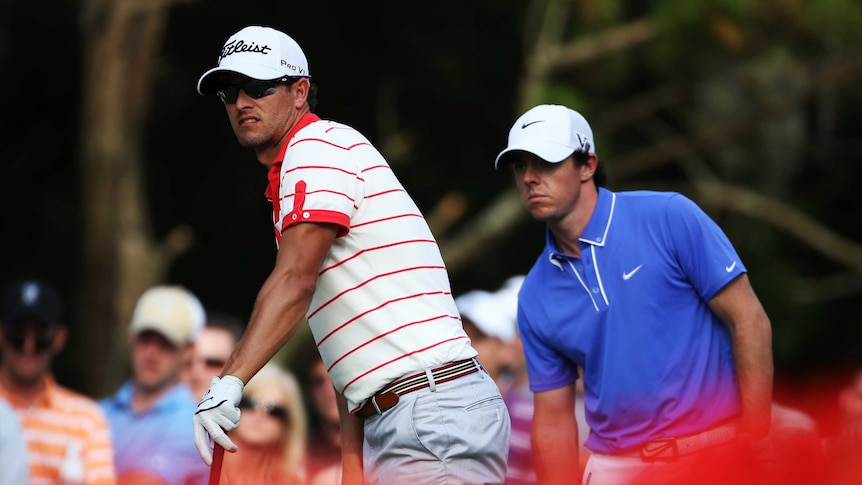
(159, 441)
(632, 311)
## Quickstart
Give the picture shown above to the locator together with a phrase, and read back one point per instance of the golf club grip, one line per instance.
(215, 471)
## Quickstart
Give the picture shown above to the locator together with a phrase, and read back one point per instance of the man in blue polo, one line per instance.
(645, 293)
(149, 415)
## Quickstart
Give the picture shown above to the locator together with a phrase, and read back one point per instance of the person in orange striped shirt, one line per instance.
(68, 440)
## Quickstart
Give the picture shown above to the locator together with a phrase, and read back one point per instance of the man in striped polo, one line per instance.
(67, 434)
(356, 258)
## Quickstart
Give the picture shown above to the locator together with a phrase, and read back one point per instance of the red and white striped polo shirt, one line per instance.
(383, 306)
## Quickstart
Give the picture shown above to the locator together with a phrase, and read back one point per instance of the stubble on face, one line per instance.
(156, 364)
(250, 134)
(540, 184)
(262, 124)
(26, 370)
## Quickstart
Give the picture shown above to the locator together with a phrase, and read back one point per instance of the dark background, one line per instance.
(448, 76)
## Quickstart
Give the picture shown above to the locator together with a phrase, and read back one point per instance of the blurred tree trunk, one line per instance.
(121, 259)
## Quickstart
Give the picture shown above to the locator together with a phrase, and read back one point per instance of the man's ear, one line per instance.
(60, 338)
(588, 170)
(188, 352)
(300, 90)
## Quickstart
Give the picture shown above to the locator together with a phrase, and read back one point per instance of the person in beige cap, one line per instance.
(149, 415)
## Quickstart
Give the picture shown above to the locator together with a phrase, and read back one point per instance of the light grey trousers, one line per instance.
(456, 432)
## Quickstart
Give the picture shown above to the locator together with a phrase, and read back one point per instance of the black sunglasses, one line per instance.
(278, 412)
(214, 362)
(16, 336)
(253, 87)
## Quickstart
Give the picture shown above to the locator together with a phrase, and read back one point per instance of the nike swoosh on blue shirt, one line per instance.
(730, 268)
(631, 273)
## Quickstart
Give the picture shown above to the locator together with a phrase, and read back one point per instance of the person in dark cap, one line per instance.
(66, 433)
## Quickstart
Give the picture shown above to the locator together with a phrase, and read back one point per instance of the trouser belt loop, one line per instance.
(376, 406)
(387, 397)
(430, 376)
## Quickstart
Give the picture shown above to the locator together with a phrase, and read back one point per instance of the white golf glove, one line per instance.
(218, 413)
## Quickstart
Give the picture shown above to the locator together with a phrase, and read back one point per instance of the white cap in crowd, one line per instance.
(480, 307)
(507, 297)
(551, 132)
(173, 311)
(494, 313)
(261, 53)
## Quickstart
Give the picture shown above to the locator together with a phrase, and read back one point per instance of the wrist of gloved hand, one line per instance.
(217, 413)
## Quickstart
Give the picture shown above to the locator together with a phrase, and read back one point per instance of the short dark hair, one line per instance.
(312, 96)
(312, 91)
(600, 177)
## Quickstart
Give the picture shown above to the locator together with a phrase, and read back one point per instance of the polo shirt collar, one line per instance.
(275, 171)
(43, 401)
(597, 228)
(175, 396)
(600, 222)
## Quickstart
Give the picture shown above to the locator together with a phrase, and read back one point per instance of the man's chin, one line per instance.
(28, 377)
(153, 384)
(539, 214)
(248, 139)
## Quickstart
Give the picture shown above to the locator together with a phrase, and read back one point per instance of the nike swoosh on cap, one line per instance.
(531, 123)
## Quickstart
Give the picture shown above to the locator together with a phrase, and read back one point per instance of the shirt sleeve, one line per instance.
(13, 449)
(319, 183)
(547, 368)
(703, 250)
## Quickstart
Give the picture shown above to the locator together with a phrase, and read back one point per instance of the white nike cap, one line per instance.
(261, 53)
(551, 132)
(483, 309)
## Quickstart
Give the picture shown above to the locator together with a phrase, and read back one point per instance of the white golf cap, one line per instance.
(172, 311)
(257, 52)
(551, 132)
(483, 309)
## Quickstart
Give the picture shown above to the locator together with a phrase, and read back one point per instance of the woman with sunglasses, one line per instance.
(271, 437)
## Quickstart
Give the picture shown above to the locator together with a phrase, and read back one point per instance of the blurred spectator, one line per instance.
(213, 346)
(517, 395)
(491, 319)
(67, 434)
(850, 408)
(844, 451)
(324, 439)
(271, 436)
(489, 326)
(797, 445)
(13, 448)
(150, 414)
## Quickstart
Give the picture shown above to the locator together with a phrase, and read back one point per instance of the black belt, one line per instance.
(670, 448)
(387, 397)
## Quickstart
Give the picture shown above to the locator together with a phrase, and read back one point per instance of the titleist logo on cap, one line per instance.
(237, 46)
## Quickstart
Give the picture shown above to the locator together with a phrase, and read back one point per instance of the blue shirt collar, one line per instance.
(597, 228)
(178, 395)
